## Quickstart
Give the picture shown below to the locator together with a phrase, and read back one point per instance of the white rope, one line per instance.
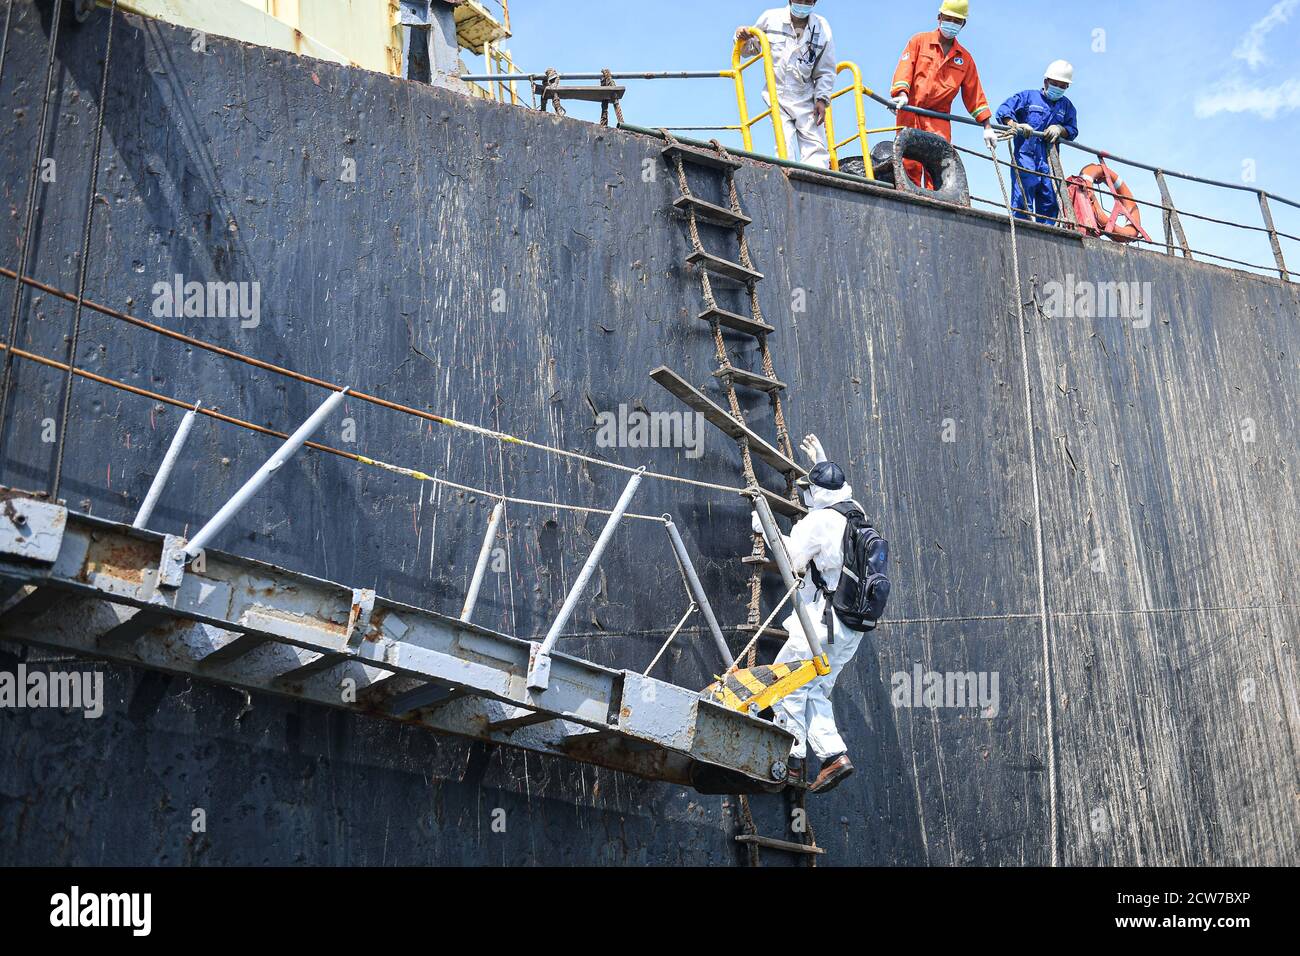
(672, 637)
(765, 625)
(424, 476)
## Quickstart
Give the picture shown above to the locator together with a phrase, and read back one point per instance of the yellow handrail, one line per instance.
(737, 73)
(857, 90)
(863, 135)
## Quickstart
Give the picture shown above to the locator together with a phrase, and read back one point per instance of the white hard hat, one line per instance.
(1061, 71)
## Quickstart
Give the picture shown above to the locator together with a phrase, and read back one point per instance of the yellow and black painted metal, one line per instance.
(739, 64)
(754, 689)
(858, 92)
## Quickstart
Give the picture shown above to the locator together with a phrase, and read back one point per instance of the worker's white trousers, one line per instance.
(808, 710)
(805, 140)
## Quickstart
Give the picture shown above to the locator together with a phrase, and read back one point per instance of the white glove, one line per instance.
(756, 523)
(900, 101)
(990, 137)
(1054, 133)
(812, 447)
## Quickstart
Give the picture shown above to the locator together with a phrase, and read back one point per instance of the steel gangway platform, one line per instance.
(104, 590)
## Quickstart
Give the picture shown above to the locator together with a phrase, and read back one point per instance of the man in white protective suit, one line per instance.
(803, 56)
(818, 540)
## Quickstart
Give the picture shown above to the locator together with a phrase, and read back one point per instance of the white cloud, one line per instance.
(1235, 96)
(1251, 47)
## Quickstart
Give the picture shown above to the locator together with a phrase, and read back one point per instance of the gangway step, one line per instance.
(749, 379)
(700, 158)
(717, 416)
(724, 268)
(768, 843)
(737, 323)
(711, 212)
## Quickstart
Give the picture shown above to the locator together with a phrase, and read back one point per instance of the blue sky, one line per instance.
(1209, 88)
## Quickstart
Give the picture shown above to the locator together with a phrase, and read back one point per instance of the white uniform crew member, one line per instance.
(818, 539)
(803, 56)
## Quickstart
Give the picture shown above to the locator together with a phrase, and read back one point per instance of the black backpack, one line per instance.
(864, 586)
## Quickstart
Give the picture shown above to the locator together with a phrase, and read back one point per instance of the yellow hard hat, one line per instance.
(956, 8)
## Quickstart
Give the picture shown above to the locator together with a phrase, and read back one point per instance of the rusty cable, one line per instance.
(361, 396)
(316, 446)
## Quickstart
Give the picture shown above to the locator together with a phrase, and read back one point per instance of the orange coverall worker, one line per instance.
(931, 81)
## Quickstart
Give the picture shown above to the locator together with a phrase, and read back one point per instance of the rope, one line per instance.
(31, 213)
(1039, 545)
(607, 79)
(735, 665)
(1141, 202)
(361, 396)
(672, 637)
(315, 446)
(85, 261)
(1271, 269)
(549, 94)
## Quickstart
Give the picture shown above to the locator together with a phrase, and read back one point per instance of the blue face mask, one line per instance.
(1054, 93)
(950, 29)
(802, 10)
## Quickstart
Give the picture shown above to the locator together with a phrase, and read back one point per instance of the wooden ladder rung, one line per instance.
(720, 418)
(700, 158)
(724, 268)
(749, 379)
(585, 94)
(711, 213)
(771, 632)
(737, 323)
(785, 845)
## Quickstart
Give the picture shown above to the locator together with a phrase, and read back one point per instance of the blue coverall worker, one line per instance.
(1046, 110)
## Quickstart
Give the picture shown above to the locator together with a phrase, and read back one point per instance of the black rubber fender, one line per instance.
(882, 162)
(942, 165)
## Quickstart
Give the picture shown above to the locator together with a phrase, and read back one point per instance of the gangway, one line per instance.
(100, 589)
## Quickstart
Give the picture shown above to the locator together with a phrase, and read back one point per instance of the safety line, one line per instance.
(735, 664)
(30, 214)
(672, 637)
(316, 446)
(1141, 202)
(1139, 241)
(1039, 543)
(361, 396)
(85, 261)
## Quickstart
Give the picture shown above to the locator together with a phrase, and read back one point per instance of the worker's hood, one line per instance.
(816, 497)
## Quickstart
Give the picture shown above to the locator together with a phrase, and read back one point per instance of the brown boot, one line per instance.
(833, 774)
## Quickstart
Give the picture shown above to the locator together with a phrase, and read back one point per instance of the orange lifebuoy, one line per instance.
(1125, 206)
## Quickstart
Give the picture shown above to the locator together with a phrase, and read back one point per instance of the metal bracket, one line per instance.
(32, 529)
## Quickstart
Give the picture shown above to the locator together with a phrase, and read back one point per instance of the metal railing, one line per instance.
(1173, 242)
(859, 91)
(737, 73)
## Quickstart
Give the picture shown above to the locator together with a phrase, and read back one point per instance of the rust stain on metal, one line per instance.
(123, 559)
